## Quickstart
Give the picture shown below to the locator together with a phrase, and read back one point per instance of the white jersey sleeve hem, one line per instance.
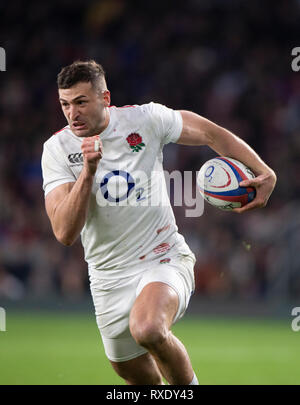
(55, 171)
(167, 123)
(178, 125)
(58, 183)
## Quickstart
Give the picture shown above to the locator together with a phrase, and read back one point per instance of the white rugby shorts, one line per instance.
(114, 298)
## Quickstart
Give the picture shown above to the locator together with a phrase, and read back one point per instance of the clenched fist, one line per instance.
(92, 153)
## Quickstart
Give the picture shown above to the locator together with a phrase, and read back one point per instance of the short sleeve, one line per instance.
(166, 121)
(55, 170)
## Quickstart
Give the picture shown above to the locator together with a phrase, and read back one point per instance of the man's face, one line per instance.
(85, 108)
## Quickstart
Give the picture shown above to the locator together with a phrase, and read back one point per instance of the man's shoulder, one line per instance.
(139, 113)
(57, 136)
(62, 130)
(135, 109)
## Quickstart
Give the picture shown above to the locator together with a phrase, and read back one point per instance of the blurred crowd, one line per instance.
(228, 60)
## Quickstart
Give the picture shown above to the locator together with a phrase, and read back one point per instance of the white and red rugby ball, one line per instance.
(218, 182)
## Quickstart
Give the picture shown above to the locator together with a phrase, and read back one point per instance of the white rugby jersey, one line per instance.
(130, 221)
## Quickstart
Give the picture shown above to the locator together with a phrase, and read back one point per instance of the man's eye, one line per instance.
(64, 104)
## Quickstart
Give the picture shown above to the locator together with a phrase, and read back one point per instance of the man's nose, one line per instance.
(73, 112)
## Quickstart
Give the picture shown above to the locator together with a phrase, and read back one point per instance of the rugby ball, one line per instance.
(218, 182)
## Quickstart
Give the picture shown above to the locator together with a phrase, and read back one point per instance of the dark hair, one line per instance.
(81, 71)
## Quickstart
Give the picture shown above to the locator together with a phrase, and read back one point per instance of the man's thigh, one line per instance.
(114, 300)
(166, 288)
(153, 313)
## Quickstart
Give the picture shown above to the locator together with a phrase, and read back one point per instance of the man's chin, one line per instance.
(82, 133)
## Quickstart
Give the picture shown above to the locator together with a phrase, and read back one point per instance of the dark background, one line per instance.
(229, 61)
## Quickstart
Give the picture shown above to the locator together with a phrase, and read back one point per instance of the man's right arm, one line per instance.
(67, 205)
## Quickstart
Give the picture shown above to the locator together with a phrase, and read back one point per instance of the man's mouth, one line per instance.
(78, 125)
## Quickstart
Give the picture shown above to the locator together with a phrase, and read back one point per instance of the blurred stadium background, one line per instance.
(228, 60)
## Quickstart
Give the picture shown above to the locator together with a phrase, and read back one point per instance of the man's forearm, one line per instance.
(226, 143)
(70, 214)
(198, 130)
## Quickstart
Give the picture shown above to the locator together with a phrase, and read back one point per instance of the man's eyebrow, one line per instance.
(74, 99)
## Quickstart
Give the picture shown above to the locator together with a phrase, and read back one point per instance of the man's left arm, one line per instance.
(198, 131)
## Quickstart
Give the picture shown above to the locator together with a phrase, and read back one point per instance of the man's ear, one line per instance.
(106, 98)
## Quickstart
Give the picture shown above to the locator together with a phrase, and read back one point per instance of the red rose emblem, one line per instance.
(135, 142)
(134, 139)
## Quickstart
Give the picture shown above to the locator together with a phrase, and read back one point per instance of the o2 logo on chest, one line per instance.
(116, 187)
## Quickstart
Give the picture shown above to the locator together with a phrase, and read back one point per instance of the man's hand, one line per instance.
(264, 185)
(92, 153)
